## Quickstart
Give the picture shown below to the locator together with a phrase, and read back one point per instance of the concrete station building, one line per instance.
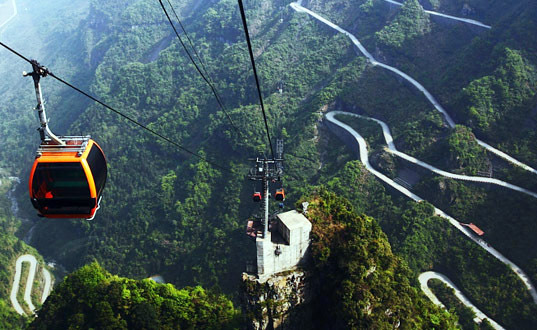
(285, 246)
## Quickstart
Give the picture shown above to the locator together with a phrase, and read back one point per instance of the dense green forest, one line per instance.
(411, 22)
(10, 248)
(428, 242)
(487, 206)
(447, 296)
(93, 298)
(363, 285)
(173, 221)
(165, 212)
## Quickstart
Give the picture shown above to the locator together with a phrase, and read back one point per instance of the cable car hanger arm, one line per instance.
(38, 72)
(121, 114)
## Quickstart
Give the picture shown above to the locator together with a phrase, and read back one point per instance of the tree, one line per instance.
(93, 298)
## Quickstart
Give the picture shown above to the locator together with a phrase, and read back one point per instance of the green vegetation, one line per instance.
(465, 153)
(506, 98)
(427, 242)
(11, 319)
(164, 212)
(10, 249)
(466, 316)
(410, 22)
(93, 298)
(168, 213)
(498, 212)
(502, 95)
(447, 296)
(476, 9)
(362, 284)
(455, 150)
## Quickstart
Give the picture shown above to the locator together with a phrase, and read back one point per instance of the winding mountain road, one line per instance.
(29, 283)
(364, 158)
(415, 83)
(426, 276)
(48, 285)
(392, 149)
(455, 18)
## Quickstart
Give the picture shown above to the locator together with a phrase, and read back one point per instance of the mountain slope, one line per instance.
(92, 298)
(362, 284)
(165, 212)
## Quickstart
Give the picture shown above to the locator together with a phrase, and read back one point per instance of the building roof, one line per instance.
(476, 229)
(293, 219)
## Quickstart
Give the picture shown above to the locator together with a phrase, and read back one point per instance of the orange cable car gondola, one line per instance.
(67, 181)
(279, 195)
(257, 197)
(69, 173)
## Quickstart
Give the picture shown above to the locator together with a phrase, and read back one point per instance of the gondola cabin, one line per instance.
(257, 197)
(279, 195)
(67, 181)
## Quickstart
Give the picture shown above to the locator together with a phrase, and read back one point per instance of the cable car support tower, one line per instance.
(267, 170)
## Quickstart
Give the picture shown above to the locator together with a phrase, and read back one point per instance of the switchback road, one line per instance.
(455, 18)
(414, 82)
(392, 149)
(29, 283)
(425, 277)
(364, 158)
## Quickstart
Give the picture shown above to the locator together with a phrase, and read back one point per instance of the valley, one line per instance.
(447, 85)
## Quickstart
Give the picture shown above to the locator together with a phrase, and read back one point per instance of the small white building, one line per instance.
(284, 247)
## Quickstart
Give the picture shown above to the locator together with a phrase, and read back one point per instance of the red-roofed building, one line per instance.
(475, 228)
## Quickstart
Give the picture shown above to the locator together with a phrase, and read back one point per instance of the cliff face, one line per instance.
(281, 302)
(352, 282)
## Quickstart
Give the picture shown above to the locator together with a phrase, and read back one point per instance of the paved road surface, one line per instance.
(392, 149)
(425, 277)
(364, 158)
(465, 20)
(414, 82)
(29, 283)
(48, 285)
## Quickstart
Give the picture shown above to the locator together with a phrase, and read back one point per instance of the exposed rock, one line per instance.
(467, 10)
(281, 302)
(384, 162)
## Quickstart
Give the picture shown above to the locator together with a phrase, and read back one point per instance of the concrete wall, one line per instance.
(290, 254)
(282, 302)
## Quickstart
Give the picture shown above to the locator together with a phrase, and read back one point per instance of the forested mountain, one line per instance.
(363, 285)
(166, 212)
(10, 248)
(93, 298)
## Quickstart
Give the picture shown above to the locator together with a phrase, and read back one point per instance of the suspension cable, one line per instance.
(245, 25)
(191, 44)
(118, 112)
(213, 89)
